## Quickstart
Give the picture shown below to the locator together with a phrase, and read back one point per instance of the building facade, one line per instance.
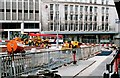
(81, 20)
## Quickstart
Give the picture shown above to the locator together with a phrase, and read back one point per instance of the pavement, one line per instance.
(92, 67)
(74, 69)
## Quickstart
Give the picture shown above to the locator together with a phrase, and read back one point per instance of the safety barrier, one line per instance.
(49, 59)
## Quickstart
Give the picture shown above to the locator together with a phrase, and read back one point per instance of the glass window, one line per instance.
(81, 17)
(90, 17)
(85, 26)
(71, 7)
(102, 1)
(95, 1)
(81, 8)
(51, 26)
(71, 26)
(51, 6)
(66, 7)
(57, 7)
(103, 9)
(107, 10)
(31, 25)
(106, 27)
(86, 8)
(11, 25)
(95, 9)
(76, 17)
(66, 15)
(102, 26)
(76, 8)
(95, 18)
(86, 16)
(106, 18)
(102, 18)
(90, 1)
(106, 2)
(91, 8)
(65, 26)
(95, 26)
(90, 27)
(76, 26)
(71, 17)
(51, 16)
(81, 26)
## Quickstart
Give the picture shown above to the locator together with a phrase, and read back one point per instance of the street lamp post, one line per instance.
(57, 40)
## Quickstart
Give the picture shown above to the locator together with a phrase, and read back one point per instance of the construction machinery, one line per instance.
(15, 46)
(70, 45)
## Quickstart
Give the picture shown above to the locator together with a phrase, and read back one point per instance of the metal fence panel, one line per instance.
(29, 62)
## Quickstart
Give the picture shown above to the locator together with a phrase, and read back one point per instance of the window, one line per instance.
(76, 8)
(90, 17)
(95, 9)
(76, 17)
(61, 28)
(65, 26)
(66, 7)
(106, 27)
(81, 8)
(95, 18)
(95, 26)
(90, 26)
(31, 25)
(86, 7)
(76, 26)
(51, 6)
(85, 26)
(71, 26)
(103, 9)
(106, 2)
(57, 7)
(107, 10)
(51, 26)
(11, 26)
(86, 16)
(106, 18)
(71, 7)
(102, 1)
(90, 1)
(91, 8)
(51, 16)
(81, 26)
(95, 1)
(71, 17)
(81, 17)
(102, 18)
(102, 26)
(66, 15)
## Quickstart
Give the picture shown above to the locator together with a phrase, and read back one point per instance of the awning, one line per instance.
(45, 35)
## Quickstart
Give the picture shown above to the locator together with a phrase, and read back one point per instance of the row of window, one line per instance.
(79, 27)
(105, 2)
(19, 16)
(14, 5)
(86, 8)
(18, 25)
(20, 11)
